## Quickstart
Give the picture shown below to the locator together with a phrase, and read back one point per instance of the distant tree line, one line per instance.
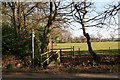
(66, 37)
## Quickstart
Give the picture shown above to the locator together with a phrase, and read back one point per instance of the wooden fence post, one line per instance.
(41, 65)
(109, 48)
(79, 51)
(47, 57)
(60, 55)
(60, 51)
(73, 51)
(59, 58)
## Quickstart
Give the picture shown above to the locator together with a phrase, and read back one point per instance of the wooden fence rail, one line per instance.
(72, 48)
(46, 53)
(61, 48)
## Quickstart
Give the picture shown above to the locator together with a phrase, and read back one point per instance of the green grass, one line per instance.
(99, 47)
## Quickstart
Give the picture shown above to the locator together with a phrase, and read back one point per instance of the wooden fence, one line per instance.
(48, 55)
(51, 53)
(71, 48)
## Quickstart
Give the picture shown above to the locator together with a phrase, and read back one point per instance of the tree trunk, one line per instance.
(46, 31)
(94, 55)
(44, 43)
(13, 8)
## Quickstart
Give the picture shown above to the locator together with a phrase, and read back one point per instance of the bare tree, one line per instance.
(112, 10)
(93, 38)
(17, 13)
(50, 17)
(110, 15)
(66, 36)
(80, 11)
(82, 39)
(77, 39)
(99, 36)
(112, 36)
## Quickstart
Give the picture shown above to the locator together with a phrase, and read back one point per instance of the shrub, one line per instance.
(15, 44)
(9, 66)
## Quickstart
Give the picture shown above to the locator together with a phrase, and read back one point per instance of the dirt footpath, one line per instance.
(48, 76)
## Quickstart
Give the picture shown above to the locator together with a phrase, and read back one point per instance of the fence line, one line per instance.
(58, 53)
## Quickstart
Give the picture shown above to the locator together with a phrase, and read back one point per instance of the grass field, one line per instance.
(99, 47)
